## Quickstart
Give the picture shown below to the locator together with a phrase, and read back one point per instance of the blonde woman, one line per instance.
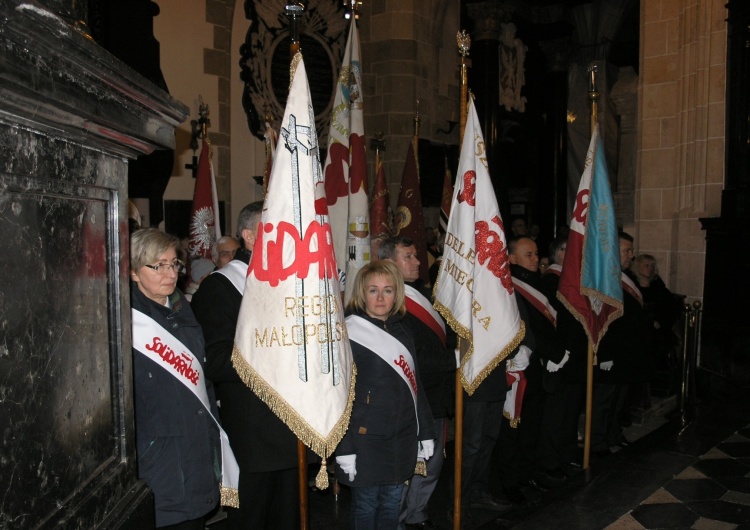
(391, 424)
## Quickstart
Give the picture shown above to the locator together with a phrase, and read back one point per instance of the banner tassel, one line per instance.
(321, 480)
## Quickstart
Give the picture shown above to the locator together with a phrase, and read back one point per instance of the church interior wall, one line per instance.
(681, 124)
(409, 53)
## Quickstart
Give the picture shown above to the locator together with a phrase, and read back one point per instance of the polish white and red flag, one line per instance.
(474, 289)
(204, 214)
(291, 345)
(590, 279)
(345, 168)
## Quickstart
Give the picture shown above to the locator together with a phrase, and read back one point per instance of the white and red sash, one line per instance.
(167, 351)
(554, 269)
(388, 348)
(537, 299)
(629, 286)
(515, 377)
(236, 272)
(420, 307)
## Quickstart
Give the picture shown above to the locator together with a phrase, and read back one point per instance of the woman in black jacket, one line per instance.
(391, 425)
(177, 440)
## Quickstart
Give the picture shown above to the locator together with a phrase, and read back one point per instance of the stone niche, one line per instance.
(71, 117)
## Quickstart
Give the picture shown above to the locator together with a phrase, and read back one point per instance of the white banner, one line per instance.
(291, 346)
(474, 289)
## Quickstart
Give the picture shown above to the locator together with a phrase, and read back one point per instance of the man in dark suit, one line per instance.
(265, 448)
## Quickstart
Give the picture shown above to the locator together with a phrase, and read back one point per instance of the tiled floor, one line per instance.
(693, 476)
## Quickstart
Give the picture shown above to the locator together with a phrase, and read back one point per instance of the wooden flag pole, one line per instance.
(594, 97)
(463, 40)
(589, 405)
(293, 11)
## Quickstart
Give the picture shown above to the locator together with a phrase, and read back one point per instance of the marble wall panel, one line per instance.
(63, 388)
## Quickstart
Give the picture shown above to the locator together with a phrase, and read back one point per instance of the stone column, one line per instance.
(625, 96)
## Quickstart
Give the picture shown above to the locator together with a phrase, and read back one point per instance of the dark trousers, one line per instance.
(558, 438)
(515, 454)
(268, 501)
(419, 490)
(605, 427)
(481, 430)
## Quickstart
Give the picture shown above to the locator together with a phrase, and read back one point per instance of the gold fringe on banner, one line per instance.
(323, 447)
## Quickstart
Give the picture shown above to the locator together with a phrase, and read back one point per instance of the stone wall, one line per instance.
(681, 124)
(409, 52)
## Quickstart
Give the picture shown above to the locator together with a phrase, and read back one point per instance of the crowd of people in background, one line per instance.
(392, 454)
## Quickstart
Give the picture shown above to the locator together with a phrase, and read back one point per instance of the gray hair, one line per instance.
(147, 244)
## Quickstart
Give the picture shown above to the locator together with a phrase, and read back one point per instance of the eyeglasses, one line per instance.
(224, 253)
(162, 268)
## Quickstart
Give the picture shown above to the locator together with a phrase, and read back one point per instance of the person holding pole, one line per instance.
(265, 448)
(518, 445)
(435, 357)
(624, 357)
(391, 424)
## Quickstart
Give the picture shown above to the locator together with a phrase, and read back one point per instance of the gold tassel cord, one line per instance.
(321, 480)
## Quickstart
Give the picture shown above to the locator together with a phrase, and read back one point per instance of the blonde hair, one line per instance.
(147, 244)
(385, 268)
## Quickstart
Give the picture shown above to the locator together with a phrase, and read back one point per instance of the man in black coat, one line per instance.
(624, 356)
(518, 446)
(558, 449)
(436, 362)
(265, 448)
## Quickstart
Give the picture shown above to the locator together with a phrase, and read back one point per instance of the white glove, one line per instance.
(520, 360)
(552, 367)
(606, 365)
(426, 448)
(348, 464)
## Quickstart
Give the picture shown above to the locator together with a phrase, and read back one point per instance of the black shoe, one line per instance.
(422, 525)
(557, 474)
(535, 484)
(488, 502)
(602, 453)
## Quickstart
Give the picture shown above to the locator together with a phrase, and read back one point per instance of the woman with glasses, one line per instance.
(177, 439)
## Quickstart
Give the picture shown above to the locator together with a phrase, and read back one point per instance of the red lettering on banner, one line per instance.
(401, 363)
(182, 363)
(582, 206)
(491, 249)
(468, 194)
(358, 169)
(314, 247)
(336, 185)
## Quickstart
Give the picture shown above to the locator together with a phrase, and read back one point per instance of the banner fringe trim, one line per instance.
(323, 447)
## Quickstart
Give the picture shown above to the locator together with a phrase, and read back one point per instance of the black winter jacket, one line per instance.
(260, 441)
(383, 427)
(177, 442)
(437, 363)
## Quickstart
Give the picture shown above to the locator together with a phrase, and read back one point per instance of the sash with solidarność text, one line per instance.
(167, 351)
(388, 348)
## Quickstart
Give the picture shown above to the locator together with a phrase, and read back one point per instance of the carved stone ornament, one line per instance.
(265, 58)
